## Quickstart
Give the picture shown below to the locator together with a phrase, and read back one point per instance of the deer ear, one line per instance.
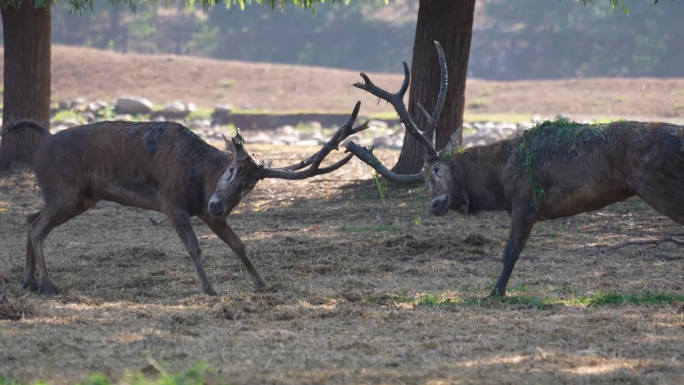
(268, 163)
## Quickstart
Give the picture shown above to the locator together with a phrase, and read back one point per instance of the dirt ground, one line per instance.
(344, 266)
(95, 74)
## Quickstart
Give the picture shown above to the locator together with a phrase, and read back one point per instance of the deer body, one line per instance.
(557, 169)
(607, 164)
(148, 165)
(158, 166)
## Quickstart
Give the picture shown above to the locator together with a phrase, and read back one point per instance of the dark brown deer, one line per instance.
(158, 166)
(554, 170)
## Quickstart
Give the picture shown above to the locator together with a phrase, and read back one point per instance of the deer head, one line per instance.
(440, 174)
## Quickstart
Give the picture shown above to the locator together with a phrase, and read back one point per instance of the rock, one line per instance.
(88, 116)
(285, 130)
(397, 145)
(64, 105)
(312, 135)
(314, 124)
(287, 139)
(158, 118)
(133, 106)
(93, 108)
(378, 124)
(382, 142)
(191, 107)
(124, 117)
(76, 103)
(258, 138)
(353, 138)
(309, 142)
(175, 106)
(220, 116)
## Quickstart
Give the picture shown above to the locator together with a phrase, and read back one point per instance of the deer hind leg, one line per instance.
(29, 280)
(221, 228)
(60, 208)
(181, 222)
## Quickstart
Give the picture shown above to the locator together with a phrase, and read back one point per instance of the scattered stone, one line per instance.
(133, 106)
(64, 105)
(220, 115)
(378, 124)
(312, 135)
(308, 142)
(382, 142)
(353, 138)
(175, 106)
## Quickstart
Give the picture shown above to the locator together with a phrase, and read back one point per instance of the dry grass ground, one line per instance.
(346, 271)
(95, 74)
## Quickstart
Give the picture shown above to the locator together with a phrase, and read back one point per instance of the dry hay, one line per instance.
(350, 276)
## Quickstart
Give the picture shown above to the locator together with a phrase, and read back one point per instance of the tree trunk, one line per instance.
(26, 80)
(450, 22)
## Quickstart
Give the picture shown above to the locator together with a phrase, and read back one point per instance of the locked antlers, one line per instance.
(426, 138)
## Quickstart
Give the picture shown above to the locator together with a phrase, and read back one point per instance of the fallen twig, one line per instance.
(674, 238)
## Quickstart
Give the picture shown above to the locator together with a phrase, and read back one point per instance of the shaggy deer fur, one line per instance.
(554, 170)
(158, 166)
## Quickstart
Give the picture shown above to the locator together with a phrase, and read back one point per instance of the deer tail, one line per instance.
(20, 125)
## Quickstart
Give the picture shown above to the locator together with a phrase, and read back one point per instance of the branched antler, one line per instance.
(314, 161)
(426, 138)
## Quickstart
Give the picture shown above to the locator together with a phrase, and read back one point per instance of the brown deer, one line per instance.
(158, 166)
(554, 170)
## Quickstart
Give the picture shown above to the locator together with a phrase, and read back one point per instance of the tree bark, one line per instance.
(450, 22)
(26, 80)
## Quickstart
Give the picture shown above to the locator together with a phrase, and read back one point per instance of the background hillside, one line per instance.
(513, 39)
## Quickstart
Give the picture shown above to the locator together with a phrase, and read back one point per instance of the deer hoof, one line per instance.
(209, 291)
(48, 289)
(29, 282)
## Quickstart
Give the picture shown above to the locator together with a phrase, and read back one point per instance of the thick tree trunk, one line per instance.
(450, 22)
(27, 80)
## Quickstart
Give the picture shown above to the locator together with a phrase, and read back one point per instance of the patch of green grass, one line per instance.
(227, 83)
(381, 184)
(220, 95)
(200, 113)
(368, 229)
(649, 96)
(193, 375)
(597, 299)
(620, 99)
(479, 103)
(486, 92)
(68, 115)
(106, 113)
(679, 106)
(596, 103)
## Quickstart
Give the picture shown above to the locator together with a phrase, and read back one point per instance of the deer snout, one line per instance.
(439, 205)
(215, 208)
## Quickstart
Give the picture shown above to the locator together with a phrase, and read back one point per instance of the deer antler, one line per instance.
(426, 138)
(314, 161)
